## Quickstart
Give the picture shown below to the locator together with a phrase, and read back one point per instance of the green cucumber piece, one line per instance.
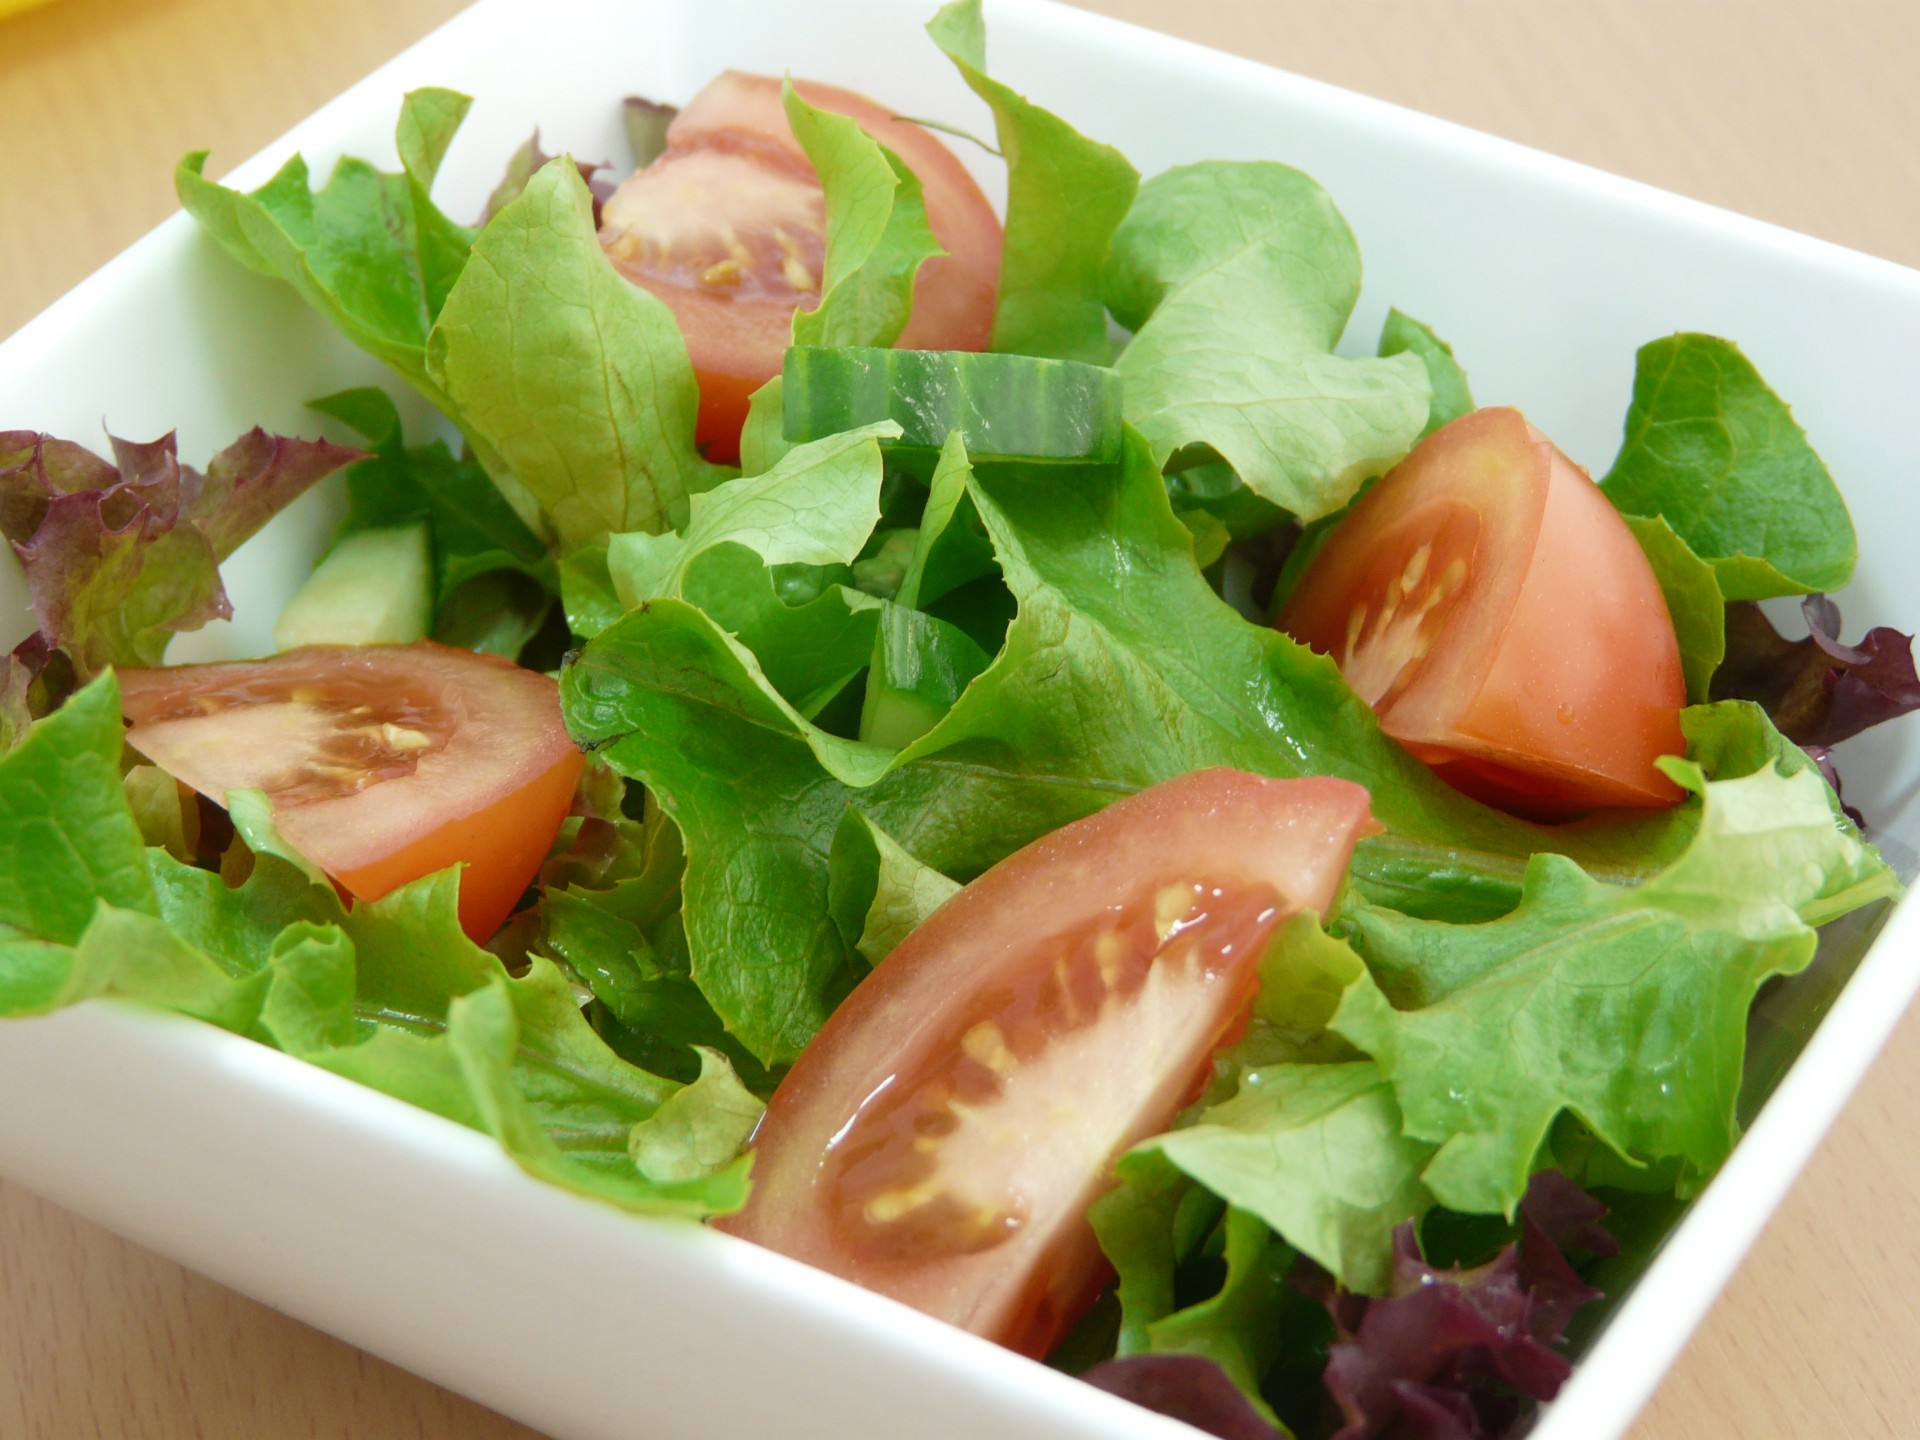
(374, 588)
(1006, 407)
(920, 666)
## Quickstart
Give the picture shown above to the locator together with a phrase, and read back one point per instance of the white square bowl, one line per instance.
(417, 1239)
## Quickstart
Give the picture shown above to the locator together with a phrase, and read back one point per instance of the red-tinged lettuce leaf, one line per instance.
(16, 715)
(1567, 1217)
(251, 481)
(110, 571)
(1822, 757)
(1817, 690)
(525, 163)
(1457, 1354)
(120, 558)
(646, 123)
(1190, 1388)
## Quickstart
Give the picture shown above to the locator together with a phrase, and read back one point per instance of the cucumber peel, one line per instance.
(1006, 407)
(920, 666)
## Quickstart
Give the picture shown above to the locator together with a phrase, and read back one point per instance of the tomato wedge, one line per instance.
(941, 1138)
(1494, 609)
(383, 762)
(728, 227)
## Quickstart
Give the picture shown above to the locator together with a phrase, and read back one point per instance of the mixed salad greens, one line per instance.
(945, 605)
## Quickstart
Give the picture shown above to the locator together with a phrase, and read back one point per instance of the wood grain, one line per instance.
(1797, 111)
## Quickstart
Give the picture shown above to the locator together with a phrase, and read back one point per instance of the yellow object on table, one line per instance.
(14, 7)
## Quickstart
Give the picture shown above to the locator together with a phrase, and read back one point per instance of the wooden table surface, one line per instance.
(1802, 112)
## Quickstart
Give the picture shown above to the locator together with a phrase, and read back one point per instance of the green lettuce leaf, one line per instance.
(1694, 602)
(670, 700)
(816, 506)
(68, 841)
(586, 590)
(1624, 1006)
(167, 813)
(413, 961)
(493, 576)
(572, 386)
(763, 438)
(1237, 278)
(813, 650)
(951, 548)
(878, 893)
(429, 119)
(882, 566)
(125, 954)
(386, 995)
(486, 1032)
(1404, 335)
(1299, 1130)
(1122, 668)
(369, 251)
(1317, 1153)
(390, 992)
(252, 814)
(877, 235)
(1715, 452)
(1211, 537)
(605, 939)
(699, 1131)
(32, 974)
(568, 378)
(237, 925)
(1148, 1222)
(309, 1006)
(1238, 1327)
(537, 1077)
(1160, 1229)
(1066, 196)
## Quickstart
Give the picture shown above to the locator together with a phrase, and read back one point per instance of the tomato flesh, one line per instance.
(1489, 603)
(941, 1139)
(383, 763)
(728, 227)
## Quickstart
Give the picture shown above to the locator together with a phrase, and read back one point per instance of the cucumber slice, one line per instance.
(920, 666)
(1006, 407)
(374, 588)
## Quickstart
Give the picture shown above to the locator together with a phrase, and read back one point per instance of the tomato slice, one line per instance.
(942, 1137)
(728, 227)
(383, 762)
(1494, 609)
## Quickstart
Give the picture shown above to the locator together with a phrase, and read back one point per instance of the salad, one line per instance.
(1195, 856)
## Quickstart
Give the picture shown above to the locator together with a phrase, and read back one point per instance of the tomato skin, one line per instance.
(384, 763)
(732, 161)
(1530, 660)
(1090, 1058)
